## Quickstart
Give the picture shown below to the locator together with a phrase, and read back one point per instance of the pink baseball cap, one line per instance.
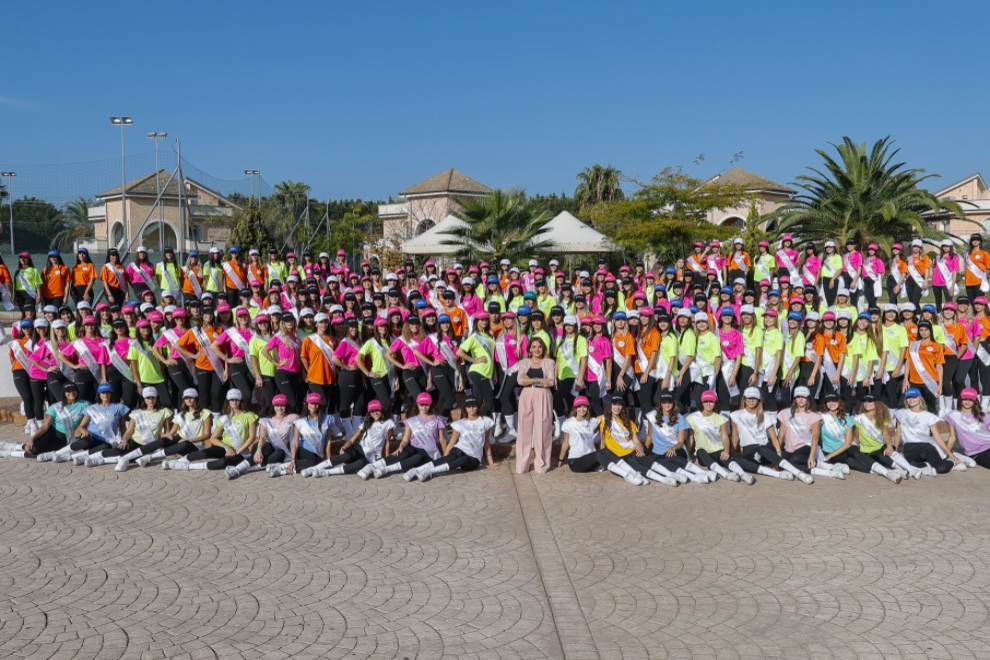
(280, 400)
(787, 237)
(89, 320)
(424, 399)
(380, 321)
(223, 307)
(969, 393)
(828, 316)
(708, 395)
(314, 397)
(583, 401)
(143, 323)
(951, 305)
(980, 300)
(181, 314)
(156, 316)
(374, 405)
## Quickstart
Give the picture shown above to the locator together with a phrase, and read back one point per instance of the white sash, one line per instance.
(8, 304)
(188, 430)
(871, 273)
(834, 427)
(708, 429)
(973, 267)
(103, 418)
(141, 424)
(871, 428)
(727, 368)
(241, 343)
(448, 354)
(232, 274)
(87, 358)
(788, 263)
(850, 270)
(915, 352)
(120, 363)
(414, 345)
(214, 275)
(65, 417)
(63, 367)
(139, 347)
(426, 441)
(483, 341)
(982, 353)
(502, 354)
(827, 364)
(119, 274)
(828, 270)
(809, 277)
(214, 359)
(324, 348)
(143, 274)
(951, 287)
(918, 278)
(315, 437)
(194, 281)
(695, 265)
(173, 338)
(27, 286)
(950, 341)
(740, 262)
(20, 354)
(279, 435)
(596, 368)
(169, 278)
(234, 431)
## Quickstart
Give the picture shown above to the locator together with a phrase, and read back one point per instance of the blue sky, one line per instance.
(364, 99)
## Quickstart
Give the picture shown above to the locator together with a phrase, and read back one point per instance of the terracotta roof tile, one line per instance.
(740, 177)
(448, 181)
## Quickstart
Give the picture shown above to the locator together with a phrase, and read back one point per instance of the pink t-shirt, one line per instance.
(97, 348)
(346, 352)
(852, 261)
(732, 343)
(231, 348)
(814, 265)
(879, 268)
(122, 346)
(793, 254)
(43, 355)
(600, 348)
(134, 277)
(286, 351)
(405, 350)
(952, 264)
(796, 429)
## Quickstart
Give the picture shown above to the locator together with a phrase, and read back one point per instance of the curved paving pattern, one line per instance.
(153, 564)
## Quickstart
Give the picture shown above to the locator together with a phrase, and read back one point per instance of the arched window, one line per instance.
(424, 226)
(117, 235)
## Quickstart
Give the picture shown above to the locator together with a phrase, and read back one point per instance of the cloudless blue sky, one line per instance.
(364, 99)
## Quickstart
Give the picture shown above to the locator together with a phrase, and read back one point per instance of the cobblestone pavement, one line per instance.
(154, 564)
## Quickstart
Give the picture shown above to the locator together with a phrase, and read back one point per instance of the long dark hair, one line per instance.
(624, 419)
(30, 264)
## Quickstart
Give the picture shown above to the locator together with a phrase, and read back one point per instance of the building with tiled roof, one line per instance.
(427, 203)
(768, 195)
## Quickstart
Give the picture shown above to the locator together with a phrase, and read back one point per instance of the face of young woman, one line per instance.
(149, 402)
(424, 409)
(581, 411)
(801, 401)
(617, 409)
(70, 394)
(472, 412)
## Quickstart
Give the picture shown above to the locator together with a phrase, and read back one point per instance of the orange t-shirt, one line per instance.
(5, 277)
(932, 354)
(650, 343)
(14, 364)
(54, 281)
(189, 273)
(83, 274)
(190, 344)
(624, 344)
(982, 259)
(912, 330)
(458, 320)
(958, 332)
(110, 277)
(239, 269)
(984, 327)
(836, 345)
(257, 272)
(320, 369)
(730, 261)
(921, 263)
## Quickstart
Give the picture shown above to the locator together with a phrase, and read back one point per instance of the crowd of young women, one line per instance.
(724, 365)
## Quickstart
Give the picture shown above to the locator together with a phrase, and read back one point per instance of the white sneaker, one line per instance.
(680, 478)
(929, 471)
(4, 453)
(711, 476)
(308, 472)
(9, 446)
(893, 476)
(178, 465)
(80, 458)
(378, 473)
(959, 467)
(969, 462)
(94, 460)
(837, 474)
(279, 470)
(61, 458)
(699, 478)
(121, 464)
(748, 478)
(46, 457)
(231, 472)
(842, 467)
(319, 473)
(805, 478)
(669, 481)
(424, 474)
(144, 461)
(633, 479)
(365, 472)
(28, 425)
(784, 475)
(733, 477)
(917, 473)
(411, 475)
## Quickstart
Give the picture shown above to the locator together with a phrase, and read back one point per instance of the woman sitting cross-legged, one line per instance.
(368, 444)
(55, 433)
(469, 440)
(101, 427)
(310, 440)
(191, 424)
(234, 436)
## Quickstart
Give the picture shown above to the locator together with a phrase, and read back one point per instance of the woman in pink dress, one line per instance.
(537, 377)
(944, 274)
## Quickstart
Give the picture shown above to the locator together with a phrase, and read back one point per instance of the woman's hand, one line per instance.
(670, 452)
(283, 362)
(812, 462)
(228, 450)
(258, 457)
(235, 360)
(29, 446)
(640, 450)
(724, 455)
(258, 382)
(480, 360)
(888, 451)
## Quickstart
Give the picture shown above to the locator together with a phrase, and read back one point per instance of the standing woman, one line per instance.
(39, 359)
(572, 365)
(600, 365)
(316, 354)
(264, 368)
(831, 272)
(83, 277)
(752, 358)
(55, 280)
(957, 341)
(118, 372)
(873, 270)
(771, 359)
(379, 372)
(796, 368)
(179, 363)
(537, 377)
(919, 273)
(811, 269)
(192, 279)
(861, 368)
(896, 274)
(6, 287)
(925, 360)
(169, 272)
(20, 348)
(283, 350)
(27, 282)
(233, 347)
(145, 364)
(114, 278)
(478, 350)
(141, 273)
(60, 371)
(440, 350)
(830, 354)
(510, 346)
(945, 272)
(210, 369)
(728, 362)
(410, 361)
(347, 360)
(800, 430)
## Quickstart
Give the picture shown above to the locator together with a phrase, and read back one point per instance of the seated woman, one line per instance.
(145, 427)
(581, 441)
(192, 424)
(838, 433)
(56, 431)
(234, 435)
(622, 448)
(711, 440)
(800, 429)
(469, 440)
(921, 444)
(311, 437)
(753, 431)
(972, 429)
(368, 444)
(101, 427)
(667, 434)
(274, 440)
(420, 441)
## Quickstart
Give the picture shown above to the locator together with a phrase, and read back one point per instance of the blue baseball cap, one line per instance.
(912, 393)
(929, 308)
(443, 318)
(420, 304)
(492, 279)
(27, 323)
(773, 292)
(233, 248)
(524, 310)
(104, 387)
(618, 315)
(694, 309)
(670, 269)
(193, 253)
(677, 302)
(54, 253)
(865, 315)
(725, 289)
(659, 287)
(727, 311)
(82, 250)
(796, 316)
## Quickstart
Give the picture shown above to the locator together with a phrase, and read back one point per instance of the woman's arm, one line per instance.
(816, 431)
(774, 438)
(488, 450)
(131, 425)
(845, 445)
(564, 447)
(522, 376)
(82, 431)
(454, 435)
(134, 372)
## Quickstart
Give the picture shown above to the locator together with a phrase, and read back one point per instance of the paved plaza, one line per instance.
(155, 564)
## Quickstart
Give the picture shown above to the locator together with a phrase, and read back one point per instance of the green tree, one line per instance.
(251, 230)
(863, 194)
(598, 184)
(499, 225)
(35, 222)
(74, 224)
(554, 204)
(667, 214)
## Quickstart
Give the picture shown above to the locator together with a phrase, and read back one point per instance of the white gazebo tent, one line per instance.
(568, 235)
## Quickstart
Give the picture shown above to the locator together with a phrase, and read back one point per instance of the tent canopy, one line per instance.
(568, 235)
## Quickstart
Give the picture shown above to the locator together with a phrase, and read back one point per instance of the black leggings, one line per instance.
(708, 460)
(268, 391)
(913, 292)
(210, 388)
(799, 458)
(443, 379)
(415, 382)
(647, 392)
(483, 392)
(86, 384)
(507, 399)
(941, 292)
(89, 444)
(409, 458)
(751, 457)
(381, 388)
(982, 459)
(920, 453)
(287, 383)
(239, 377)
(39, 397)
(458, 460)
(50, 440)
(881, 458)
(352, 458)
(22, 382)
(594, 394)
(217, 455)
(587, 463)
(330, 395)
(124, 389)
(117, 296)
(855, 459)
(351, 393)
(306, 459)
(562, 396)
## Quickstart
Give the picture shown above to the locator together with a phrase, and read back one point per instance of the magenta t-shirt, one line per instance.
(953, 265)
(600, 348)
(400, 347)
(97, 348)
(346, 352)
(732, 343)
(231, 348)
(287, 352)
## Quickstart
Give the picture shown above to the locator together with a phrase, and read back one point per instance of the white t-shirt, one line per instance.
(471, 438)
(750, 432)
(916, 426)
(373, 439)
(581, 436)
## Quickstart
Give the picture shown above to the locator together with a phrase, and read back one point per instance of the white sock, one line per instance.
(654, 475)
(767, 472)
(18, 453)
(131, 455)
(64, 451)
(252, 468)
(878, 469)
(110, 460)
(325, 465)
(962, 457)
(243, 466)
(389, 469)
(787, 465)
(377, 465)
(900, 461)
(436, 469)
(659, 469)
(720, 471)
(821, 472)
(735, 467)
(620, 468)
(336, 470)
(197, 466)
(691, 467)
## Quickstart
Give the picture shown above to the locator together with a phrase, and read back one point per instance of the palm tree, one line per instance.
(864, 195)
(499, 225)
(598, 184)
(289, 199)
(73, 223)
(290, 193)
